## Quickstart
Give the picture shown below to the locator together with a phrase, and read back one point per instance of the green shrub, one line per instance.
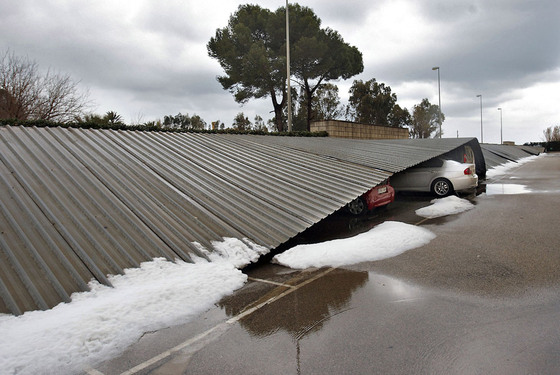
(151, 127)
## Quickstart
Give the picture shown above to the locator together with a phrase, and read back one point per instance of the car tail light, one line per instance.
(467, 171)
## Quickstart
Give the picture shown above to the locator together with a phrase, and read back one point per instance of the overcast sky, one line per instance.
(146, 59)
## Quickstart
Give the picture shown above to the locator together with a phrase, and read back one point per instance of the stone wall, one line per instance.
(346, 129)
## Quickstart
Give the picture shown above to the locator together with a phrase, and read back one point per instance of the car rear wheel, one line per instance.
(357, 207)
(442, 187)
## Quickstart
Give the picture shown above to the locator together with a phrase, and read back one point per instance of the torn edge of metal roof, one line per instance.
(81, 204)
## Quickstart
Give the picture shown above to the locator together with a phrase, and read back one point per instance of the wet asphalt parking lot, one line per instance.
(481, 298)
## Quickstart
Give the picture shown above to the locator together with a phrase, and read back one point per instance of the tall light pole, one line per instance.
(481, 133)
(501, 128)
(439, 95)
(288, 68)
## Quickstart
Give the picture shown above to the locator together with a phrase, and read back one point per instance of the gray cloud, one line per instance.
(150, 57)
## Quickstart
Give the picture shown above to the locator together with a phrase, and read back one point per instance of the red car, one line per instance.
(378, 196)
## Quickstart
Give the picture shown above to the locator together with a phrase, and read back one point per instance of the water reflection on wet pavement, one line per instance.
(311, 306)
(494, 189)
(366, 323)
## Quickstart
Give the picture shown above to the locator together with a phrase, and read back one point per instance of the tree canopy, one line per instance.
(242, 122)
(372, 102)
(252, 51)
(425, 120)
(251, 58)
(181, 121)
(317, 55)
(552, 133)
(325, 106)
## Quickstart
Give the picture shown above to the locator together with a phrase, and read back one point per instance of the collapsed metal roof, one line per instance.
(79, 204)
(495, 154)
(393, 155)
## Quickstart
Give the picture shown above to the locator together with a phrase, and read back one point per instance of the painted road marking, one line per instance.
(270, 282)
(217, 330)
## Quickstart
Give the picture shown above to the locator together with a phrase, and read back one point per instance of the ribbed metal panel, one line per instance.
(533, 150)
(388, 155)
(81, 204)
(261, 195)
(499, 154)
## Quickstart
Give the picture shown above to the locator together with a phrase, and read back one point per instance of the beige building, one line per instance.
(347, 129)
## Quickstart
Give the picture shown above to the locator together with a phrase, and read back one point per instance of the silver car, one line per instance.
(441, 177)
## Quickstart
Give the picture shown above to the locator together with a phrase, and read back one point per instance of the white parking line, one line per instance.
(219, 329)
(276, 298)
(270, 282)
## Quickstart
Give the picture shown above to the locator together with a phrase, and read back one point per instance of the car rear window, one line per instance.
(432, 163)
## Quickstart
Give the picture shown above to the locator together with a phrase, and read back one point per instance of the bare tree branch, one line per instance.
(25, 94)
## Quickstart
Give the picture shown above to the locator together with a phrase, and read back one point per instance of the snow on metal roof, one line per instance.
(79, 204)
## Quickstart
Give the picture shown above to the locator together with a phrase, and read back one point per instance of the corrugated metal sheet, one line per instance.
(389, 155)
(533, 150)
(79, 204)
(499, 154)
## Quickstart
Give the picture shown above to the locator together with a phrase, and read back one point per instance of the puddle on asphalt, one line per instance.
(506, 189)
(306, 309)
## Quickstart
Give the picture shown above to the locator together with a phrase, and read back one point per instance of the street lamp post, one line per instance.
(501, 128)
(439, 96)
(481, 132)
(288, 69)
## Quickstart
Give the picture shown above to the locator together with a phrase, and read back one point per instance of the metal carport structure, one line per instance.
(81, 204)
(495, 154)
